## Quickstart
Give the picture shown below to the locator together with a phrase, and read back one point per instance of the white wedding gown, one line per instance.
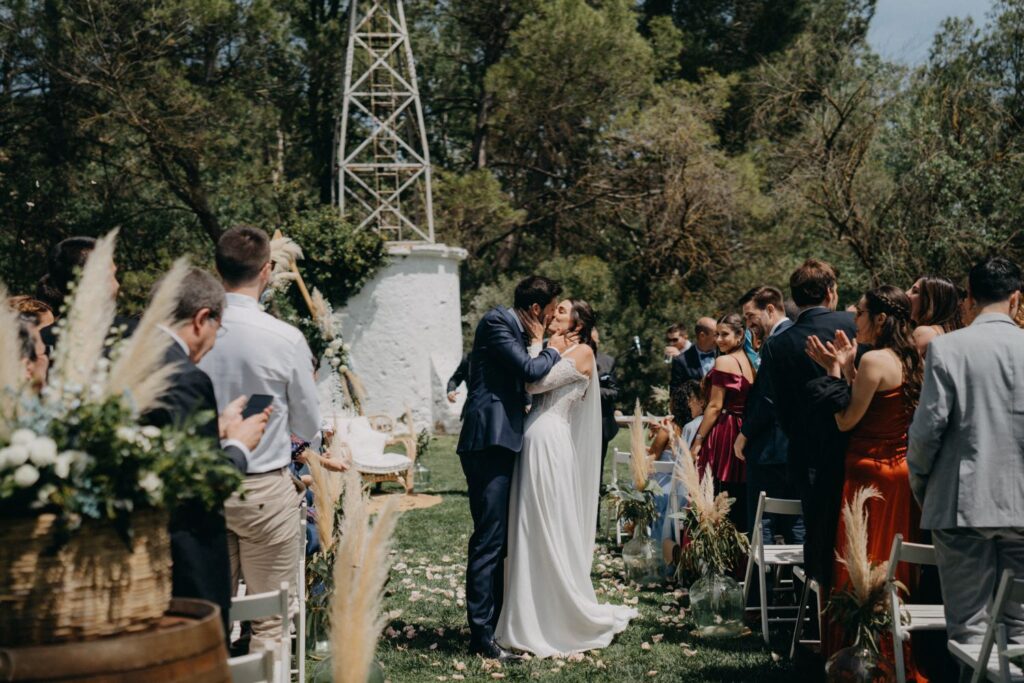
(550, 606)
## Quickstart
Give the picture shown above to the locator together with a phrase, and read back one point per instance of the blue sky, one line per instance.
(902, 30)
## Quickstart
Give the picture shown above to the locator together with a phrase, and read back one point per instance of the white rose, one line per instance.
(150, 483)
(125, 433)
(15, 455)
(62, 468)
(22, 437)
(150, 432)
(43, 497)
(25, 476)
(43, 451)
(329, 352)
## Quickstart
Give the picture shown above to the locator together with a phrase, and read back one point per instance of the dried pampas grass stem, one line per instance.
(139, 370)
(361, 567)
(639, 462)
(865, 578)
(326, 492)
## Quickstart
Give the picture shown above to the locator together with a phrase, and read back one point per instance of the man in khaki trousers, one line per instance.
(259, 354)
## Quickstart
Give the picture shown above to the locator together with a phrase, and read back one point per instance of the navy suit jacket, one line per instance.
(499, 369)
(687, 366)
(766, 442)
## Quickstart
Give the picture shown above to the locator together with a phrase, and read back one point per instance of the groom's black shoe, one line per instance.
(491, 650)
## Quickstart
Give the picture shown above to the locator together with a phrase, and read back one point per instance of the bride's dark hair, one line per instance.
(583, 322)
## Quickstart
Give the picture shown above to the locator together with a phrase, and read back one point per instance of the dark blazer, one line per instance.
(199, 551)
(687, 366)
(815, 443)
(460, 375)
(609, 394)
(499, 369)
(766, 442)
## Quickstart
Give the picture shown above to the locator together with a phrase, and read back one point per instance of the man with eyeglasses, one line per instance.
(199, 546)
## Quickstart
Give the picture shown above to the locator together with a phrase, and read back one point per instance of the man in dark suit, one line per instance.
(609, 394)
(500, 366)
(199, 547)
(816, 446)
(697, 360)
(761, 442)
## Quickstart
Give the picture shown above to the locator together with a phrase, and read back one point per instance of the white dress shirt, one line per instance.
(258, 354)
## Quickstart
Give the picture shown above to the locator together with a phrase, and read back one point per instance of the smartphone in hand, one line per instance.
(257, 404)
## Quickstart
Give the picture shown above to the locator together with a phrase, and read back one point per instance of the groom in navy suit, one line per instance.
(500, 366)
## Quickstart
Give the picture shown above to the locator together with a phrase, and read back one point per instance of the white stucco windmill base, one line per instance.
(404, 330)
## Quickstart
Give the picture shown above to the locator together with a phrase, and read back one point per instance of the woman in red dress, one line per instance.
(884, 389)
(730, 381)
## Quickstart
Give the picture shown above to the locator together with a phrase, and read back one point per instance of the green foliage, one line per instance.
(337, 259)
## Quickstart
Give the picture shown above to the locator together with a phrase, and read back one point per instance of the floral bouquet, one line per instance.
(77, 448)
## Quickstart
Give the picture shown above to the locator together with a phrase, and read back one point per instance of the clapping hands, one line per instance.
(837, 356)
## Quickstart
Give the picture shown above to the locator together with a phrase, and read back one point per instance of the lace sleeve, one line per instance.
(564, 372)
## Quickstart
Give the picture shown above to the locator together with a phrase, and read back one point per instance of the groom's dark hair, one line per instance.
(536, 290)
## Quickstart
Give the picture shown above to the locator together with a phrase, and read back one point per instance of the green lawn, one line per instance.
(427, 636)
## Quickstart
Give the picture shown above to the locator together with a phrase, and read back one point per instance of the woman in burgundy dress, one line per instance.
(730, 382)
(883, 392)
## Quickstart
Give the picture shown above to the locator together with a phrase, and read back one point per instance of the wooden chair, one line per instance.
(393, 467)
(921, 617)
(265, 606)
(977, 657)
(763, 556)
(299, 630)
(254, 668)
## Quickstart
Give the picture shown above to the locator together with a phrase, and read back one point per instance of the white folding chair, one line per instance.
(921, 617)
(770, 556)
(978, 656)
(254, 668)
(810, 585)
(618, 458)
(265, 606)
(299, 632)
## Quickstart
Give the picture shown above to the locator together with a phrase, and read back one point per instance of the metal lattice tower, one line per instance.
(382, 164)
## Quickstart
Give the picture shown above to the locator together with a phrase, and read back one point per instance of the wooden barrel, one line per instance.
(187, 645)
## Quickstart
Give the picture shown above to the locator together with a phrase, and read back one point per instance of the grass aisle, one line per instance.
(426, 637)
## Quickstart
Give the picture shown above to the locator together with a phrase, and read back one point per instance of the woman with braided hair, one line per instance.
(879, 402)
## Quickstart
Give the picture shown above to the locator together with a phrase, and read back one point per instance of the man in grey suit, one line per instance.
(966, 452)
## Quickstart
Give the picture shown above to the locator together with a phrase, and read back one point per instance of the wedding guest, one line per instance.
(761, 442)
(457, 378)
(730, 381)
(966, 455)
(259, 354)
(609, 394)
(816, 445)
(41, 313)
(693, 396)
(32, 351)
(199, 547)
(935, 309)
(697, 361)
(874, 401)
(677, 340)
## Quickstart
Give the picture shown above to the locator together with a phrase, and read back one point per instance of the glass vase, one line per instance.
(422, 475)
(323, 672)
(858, 664)
(716, 606)
(641, 557)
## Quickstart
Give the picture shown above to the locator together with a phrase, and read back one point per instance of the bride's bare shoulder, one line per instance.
(583, 358)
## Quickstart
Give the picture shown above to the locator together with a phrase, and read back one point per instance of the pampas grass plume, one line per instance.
(326, 492)
(139, 370)
(865, 579)
(86, 324)
(361, 567)
(639, 463)
(12, 370)
(284, 252)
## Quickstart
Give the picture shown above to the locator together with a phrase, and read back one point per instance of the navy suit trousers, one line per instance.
(488, 479)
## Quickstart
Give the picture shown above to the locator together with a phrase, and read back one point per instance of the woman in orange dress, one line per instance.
(883, 393)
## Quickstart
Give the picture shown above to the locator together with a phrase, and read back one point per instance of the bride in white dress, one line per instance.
(550, 606)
